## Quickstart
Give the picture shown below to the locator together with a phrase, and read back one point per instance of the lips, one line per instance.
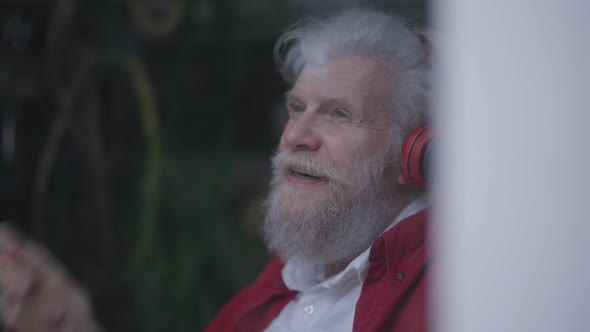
(305, 174)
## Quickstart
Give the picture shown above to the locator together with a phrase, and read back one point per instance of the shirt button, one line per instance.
(309, 309)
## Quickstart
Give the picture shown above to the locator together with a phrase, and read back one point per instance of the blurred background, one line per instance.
(134, 142)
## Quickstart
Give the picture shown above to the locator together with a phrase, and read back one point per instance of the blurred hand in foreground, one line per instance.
(36, 293)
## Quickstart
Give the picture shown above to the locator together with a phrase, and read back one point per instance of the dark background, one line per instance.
(134, 141)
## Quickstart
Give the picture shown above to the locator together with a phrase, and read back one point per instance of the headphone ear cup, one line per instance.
(414, 157)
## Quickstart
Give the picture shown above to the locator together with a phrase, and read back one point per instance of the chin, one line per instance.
(298, 197)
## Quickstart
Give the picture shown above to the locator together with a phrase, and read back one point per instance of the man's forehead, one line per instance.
(345, 79)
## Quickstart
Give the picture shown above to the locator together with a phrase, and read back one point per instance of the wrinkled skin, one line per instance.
(36, 293)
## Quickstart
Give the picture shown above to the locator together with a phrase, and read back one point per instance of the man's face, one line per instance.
(333, 185)
(332, 116)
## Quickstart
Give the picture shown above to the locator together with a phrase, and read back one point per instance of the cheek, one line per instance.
(355, 145)
(345, 147)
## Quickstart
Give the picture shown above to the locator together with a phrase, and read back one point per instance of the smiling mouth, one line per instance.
(305, 175)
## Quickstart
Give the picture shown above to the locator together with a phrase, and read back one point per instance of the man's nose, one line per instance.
(300, 134)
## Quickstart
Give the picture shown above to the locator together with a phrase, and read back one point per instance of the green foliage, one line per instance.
(195, 258)
(162, 96)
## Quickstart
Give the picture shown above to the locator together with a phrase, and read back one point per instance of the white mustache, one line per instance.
(302, 162)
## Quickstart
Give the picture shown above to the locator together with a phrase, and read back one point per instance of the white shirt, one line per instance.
(322, 304)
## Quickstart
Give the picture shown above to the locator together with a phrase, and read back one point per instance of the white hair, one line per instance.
(385, 38)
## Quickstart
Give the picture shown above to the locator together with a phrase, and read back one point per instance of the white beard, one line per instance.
(333, 224)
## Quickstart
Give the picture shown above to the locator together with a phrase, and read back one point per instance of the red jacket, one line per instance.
(393, 295)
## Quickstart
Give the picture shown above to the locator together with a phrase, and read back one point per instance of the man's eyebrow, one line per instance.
(290, 95)
(337, 101)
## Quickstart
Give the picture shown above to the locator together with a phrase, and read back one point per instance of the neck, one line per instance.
(335, 268)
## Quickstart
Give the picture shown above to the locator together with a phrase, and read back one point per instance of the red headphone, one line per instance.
(414, 158)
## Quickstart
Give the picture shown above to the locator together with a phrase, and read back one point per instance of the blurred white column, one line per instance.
(512, 193)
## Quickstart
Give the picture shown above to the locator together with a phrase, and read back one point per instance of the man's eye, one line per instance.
(340, 114)
(298, 108)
